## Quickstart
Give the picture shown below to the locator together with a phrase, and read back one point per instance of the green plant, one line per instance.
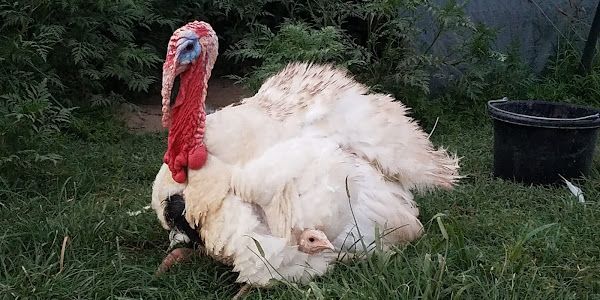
(57, 56)
(293, 42)
(30, 123)
(488, 74)
(85, 46)
(378, 41)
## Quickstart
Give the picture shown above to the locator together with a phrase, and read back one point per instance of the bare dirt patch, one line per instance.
(147, 117)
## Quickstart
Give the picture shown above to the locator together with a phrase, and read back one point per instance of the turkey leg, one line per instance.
(178, 255)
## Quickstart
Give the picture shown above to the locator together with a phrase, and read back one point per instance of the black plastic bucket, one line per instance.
(536, 141)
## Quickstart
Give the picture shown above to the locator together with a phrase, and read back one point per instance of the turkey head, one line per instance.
(191, 54)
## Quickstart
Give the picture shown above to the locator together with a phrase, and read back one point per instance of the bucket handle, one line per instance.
(594, 116)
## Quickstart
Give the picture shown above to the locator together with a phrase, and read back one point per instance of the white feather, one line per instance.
(134, 213)
(577, 192)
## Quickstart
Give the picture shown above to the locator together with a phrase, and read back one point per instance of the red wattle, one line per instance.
(180, 176)
(197, 157)
(185, 149)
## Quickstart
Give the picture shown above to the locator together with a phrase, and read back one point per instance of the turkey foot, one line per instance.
(176, 256)
(243, 291)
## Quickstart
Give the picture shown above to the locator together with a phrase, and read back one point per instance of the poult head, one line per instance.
(313, 241)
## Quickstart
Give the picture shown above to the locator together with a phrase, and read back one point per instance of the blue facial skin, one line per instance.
(189, 50)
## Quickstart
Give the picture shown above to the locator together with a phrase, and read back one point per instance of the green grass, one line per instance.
(492, 250)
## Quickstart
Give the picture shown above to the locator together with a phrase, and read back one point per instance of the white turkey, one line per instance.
(256, 175)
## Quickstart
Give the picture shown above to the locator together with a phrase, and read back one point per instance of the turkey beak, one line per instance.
(323, 245)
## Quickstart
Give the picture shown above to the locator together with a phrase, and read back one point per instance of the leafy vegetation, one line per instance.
(70, 172)
(57, 56)
(293, 42)
(378, 41)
